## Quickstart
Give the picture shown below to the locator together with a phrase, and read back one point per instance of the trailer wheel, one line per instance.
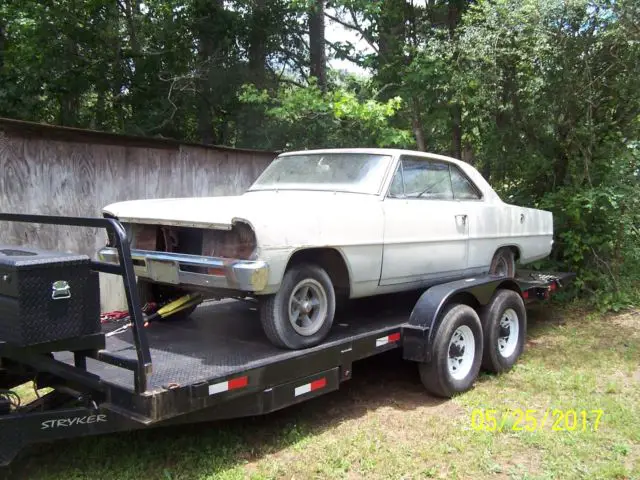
(505, 328)
(301, 313)
(457, 353)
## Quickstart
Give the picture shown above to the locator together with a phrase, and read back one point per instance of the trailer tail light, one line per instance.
(232, 384)
(525, 294)
(310, 387)
(553, 286)
(394, 337)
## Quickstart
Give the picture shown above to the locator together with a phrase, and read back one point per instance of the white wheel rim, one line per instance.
(308, 306)
(462, 351)
(509, 333)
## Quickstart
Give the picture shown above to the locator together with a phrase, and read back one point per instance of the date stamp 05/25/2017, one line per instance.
(531, 420)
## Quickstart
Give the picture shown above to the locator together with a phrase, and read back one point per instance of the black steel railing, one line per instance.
(142, 364)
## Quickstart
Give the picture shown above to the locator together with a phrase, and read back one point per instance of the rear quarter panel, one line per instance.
(497, 225)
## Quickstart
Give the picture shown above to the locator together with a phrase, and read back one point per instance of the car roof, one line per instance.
(488, 192)
(378, 151)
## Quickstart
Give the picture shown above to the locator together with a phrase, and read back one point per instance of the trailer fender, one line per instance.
(418, 333)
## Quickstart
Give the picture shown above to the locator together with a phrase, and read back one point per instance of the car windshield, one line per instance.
(346, 172)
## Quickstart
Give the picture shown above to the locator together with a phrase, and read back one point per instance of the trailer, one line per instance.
(217, 364)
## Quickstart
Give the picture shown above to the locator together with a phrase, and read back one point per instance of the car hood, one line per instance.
(222, 211)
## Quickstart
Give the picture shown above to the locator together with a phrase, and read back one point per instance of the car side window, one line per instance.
(463, 189)
(426, 179)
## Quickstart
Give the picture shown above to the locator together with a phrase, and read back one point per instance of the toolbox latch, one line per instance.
(60, 290)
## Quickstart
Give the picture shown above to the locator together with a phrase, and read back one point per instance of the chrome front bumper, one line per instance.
(169, 268)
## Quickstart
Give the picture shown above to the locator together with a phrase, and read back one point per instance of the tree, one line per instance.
(316, 44)
(541, 95)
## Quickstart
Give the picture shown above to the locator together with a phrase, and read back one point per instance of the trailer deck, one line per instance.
(221, 339)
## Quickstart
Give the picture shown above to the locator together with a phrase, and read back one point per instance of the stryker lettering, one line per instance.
(70, 422)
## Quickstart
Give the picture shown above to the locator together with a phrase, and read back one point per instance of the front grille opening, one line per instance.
(237, 243)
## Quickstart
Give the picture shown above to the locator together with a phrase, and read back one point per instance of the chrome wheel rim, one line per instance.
(509, 333)
(308, 305)
(462, 351)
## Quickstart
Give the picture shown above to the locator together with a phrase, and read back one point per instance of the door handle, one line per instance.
(462, 217)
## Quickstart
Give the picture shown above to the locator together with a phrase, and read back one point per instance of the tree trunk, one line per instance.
(205, 119)
(454, 15)
(416, 123)
(391, 39)
(130, 9)
(258, 37)
(69, 98)
(209, 15)
(456, 131)
(317, 44)
(1, 46)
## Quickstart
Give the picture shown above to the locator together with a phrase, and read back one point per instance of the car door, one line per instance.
(483, 220)
(425, 229)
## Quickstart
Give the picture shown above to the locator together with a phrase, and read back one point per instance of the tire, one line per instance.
(503, 263)
(504, 322)
(438, 377)
(151, 292)
(277, 311)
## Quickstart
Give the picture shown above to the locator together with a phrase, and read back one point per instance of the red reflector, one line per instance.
(238, 382)
(525, 294)
(321, 383)
(394, 337)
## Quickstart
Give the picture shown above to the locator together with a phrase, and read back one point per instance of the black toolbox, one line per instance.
(46, 296)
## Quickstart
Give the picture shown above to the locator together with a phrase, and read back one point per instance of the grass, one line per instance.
(382, 424)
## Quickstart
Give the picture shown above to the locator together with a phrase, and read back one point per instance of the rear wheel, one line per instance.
(301, 313)
(505, 327)
(503, 263)
(457, 353)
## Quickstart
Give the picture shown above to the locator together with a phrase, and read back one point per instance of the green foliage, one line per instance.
(549, 90)
(542, 96)
(300, 117)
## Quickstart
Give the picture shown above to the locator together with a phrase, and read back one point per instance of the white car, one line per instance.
(320, 226)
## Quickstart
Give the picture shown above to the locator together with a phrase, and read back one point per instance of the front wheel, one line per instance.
(457, 353)
(301, 313)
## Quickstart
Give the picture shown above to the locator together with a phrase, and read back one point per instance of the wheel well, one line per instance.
(465, 298)
(513, 248)
(329, 259)
(469, 299)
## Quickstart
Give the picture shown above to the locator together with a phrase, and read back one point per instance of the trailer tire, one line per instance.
(276, 311)
(504, 321)
(457, 353)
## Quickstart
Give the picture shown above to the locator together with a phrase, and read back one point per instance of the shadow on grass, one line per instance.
(209, 449)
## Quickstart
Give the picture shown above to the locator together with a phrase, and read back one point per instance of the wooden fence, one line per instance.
(62, 171)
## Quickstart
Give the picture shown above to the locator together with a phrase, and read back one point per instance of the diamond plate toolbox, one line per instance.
(46, 296)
